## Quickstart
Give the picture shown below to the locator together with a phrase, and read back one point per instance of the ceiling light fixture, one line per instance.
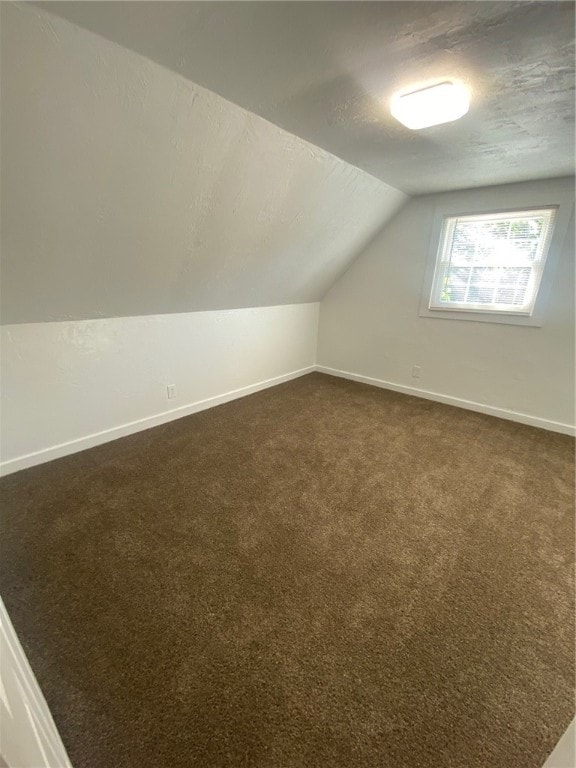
(433, 105)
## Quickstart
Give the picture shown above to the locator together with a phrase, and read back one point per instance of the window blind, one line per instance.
(492, 262)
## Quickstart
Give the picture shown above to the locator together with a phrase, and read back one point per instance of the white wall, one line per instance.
(90, 381)
(370, 323)
(139, 209)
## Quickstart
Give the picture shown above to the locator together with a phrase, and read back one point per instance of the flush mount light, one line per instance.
(433, 105)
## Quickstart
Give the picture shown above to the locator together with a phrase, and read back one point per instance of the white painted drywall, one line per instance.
(94, 380)
(128, 190)
(370, 323)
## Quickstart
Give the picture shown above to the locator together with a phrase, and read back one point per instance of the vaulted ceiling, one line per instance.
(128, 190)
(325, 71)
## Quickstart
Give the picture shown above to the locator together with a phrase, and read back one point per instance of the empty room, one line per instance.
(287, 384)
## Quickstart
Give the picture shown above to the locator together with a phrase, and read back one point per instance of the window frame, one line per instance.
(502, 201)
(434, 304)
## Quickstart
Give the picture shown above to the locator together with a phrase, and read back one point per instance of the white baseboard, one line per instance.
(97, 438)
(470, 405)
(89, 441)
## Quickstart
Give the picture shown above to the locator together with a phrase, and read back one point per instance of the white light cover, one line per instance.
(440, 103)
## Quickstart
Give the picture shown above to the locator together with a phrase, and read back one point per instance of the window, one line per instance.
(492, 262)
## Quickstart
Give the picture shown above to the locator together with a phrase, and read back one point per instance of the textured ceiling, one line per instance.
(325, 71)
(128, 190)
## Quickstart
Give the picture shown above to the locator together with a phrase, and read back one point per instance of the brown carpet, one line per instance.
(323, 574)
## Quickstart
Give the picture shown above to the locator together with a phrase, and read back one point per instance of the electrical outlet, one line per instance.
(415, 371)
(171, 391)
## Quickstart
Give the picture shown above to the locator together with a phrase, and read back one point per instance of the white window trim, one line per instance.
(503, 201)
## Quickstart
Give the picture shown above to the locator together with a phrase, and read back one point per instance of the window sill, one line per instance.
(506, 318)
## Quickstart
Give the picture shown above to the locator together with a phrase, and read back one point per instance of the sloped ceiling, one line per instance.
(129, 190)
(326, 71)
